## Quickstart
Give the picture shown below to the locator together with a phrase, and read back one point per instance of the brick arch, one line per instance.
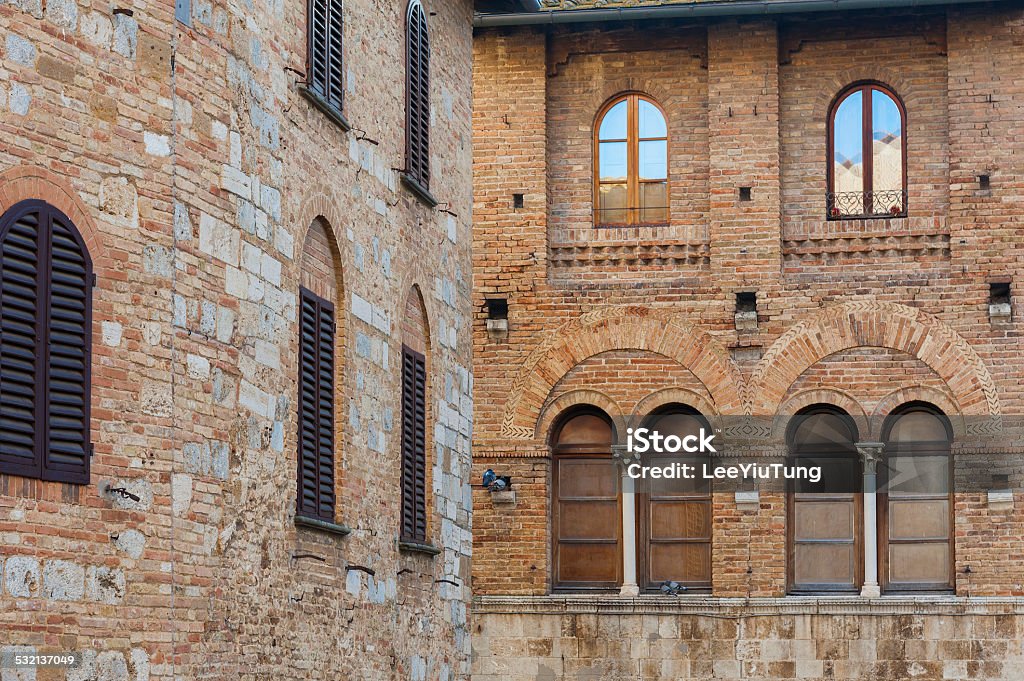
(833, 85)
(942, 400)
(581, 396)
(871, 324)
(832, 396)
(321, 203)
(30, 182)
(667, 396)
(617, 328)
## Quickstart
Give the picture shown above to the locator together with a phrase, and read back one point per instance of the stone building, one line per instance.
(223, 225)
(722, 213)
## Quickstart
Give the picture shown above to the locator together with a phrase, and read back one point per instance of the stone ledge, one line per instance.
(742, 607)
(322, 525)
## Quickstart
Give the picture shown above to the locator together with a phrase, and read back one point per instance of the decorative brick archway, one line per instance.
(872, 324)
(617, 328)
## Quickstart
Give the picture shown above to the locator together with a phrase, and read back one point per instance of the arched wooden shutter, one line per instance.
(325, 72)
(414, 455)
(418, 96)
(316, 408)
(46, 324)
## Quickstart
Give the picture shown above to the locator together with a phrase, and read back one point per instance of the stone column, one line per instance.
(629, 585)
(870, 453)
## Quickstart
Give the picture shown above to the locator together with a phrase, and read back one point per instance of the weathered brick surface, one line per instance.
(197, 191)
(866, 314)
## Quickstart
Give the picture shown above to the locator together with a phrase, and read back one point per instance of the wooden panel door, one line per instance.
(674, 516)
(586, 506)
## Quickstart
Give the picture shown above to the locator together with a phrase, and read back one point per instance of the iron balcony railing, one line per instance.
(876, 204)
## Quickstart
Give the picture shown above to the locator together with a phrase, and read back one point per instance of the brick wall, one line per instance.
(864, 313)
(198, 190)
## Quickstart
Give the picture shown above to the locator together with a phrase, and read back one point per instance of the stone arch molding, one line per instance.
(617, 328)
(872, 324)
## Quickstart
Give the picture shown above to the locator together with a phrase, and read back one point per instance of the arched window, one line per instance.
(415, 350)
(675, 514)
(867, 153)
(586, 511)
(319, 375)
(631, 163)
(916, 502)
(417, 97)
(46, 325)
(825, 526)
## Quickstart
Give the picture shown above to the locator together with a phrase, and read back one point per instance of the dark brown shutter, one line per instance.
(19, 358)
(414, 456)
(316, 408)
(418, 95)
(45, 315)
(325, 74)
(67, 451)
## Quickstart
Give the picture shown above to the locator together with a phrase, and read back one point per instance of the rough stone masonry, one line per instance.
(200, 179)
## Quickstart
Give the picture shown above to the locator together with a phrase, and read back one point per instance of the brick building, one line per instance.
(226, 225)
(723, 213)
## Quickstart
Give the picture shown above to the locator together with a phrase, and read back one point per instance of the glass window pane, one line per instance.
(654, 160)
(916, 474)
(887, 153)
(848, 149)
(654, 202)
(612, 204)
(918, 426)
(613, 125)
(613, 161)
(652, 123)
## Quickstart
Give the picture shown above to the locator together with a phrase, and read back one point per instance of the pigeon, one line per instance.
(672, 588)
(498, 485)
(489, 477)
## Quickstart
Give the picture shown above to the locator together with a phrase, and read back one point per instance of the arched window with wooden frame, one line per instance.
(674, 515)
(415, 426)
(916, 501)
(825, 519)
(46, 282)
(417, 98)
(586, 504)
(867, 153)
(631, 149)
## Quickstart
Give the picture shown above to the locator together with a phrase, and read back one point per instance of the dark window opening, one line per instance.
(746, 194)
(517, 201)
(497, 308)
(746, 301)
(984, 182)
(45, 355)
(999, 293)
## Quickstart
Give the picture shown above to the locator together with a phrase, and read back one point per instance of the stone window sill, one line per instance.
(322, 526)
(421, 192)
(330, 111)
(418, 547)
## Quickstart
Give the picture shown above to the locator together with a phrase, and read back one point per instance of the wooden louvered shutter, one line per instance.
(418, 96)
(46, 321)
(414, 456)
(325, 74)
(316, 408)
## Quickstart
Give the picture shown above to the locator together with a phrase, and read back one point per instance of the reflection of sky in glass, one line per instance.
(652, 123)
(886, 116)
(848, 130)
(613, 125)
(613, 160)
(652, 160)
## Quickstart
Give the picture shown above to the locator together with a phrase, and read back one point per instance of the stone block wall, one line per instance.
(185, 153)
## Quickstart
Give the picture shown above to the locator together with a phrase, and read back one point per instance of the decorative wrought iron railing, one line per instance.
(877, 204)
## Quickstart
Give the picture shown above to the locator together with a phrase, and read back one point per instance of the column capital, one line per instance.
(870, 453)
(624, 457)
